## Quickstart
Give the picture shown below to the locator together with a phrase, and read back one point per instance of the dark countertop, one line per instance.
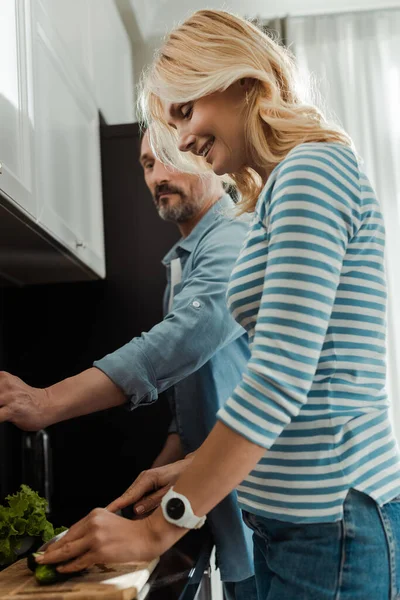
(178, 574)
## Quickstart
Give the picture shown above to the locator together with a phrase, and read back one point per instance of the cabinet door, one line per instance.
(16, 114)
(67, 148)
(110, 46)
(100, 49)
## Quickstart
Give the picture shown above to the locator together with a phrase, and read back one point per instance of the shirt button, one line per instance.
(196, 304)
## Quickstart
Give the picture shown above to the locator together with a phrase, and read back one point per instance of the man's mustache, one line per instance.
(166, 189)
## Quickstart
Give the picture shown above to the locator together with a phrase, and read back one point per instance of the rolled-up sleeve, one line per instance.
(307, 220)
(198, 325)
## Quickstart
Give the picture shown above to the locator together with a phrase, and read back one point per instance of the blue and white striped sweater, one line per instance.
(309, 288)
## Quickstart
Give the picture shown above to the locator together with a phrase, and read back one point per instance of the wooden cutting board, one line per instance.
(106, 582)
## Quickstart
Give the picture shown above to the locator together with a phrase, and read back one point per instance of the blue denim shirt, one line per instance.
(198, 353)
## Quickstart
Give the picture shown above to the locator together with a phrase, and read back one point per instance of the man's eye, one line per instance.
(148, 166)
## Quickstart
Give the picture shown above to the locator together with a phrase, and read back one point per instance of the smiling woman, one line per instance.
(232, 105)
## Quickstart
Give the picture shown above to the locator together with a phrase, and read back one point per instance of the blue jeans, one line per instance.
(357, 558)
(240, 590)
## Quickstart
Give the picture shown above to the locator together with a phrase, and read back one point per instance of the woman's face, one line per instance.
(213, 126)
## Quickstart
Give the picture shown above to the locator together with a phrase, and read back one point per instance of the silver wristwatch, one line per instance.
(177, 510)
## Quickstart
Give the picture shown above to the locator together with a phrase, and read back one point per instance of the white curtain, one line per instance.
(354, 60)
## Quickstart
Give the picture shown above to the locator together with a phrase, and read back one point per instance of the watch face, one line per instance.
(175, 508)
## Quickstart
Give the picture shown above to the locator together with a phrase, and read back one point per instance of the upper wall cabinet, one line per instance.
(100, 49)
(64, 62)
(111, 63)
(67, 153)
(16, 106)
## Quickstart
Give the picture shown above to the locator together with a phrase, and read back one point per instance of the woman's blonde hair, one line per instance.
(209, 52)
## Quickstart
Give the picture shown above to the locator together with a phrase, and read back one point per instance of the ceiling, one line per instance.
(154, 18)
(148, 21)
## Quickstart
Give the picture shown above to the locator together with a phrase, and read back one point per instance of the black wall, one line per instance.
(10, 438)
(55, 331)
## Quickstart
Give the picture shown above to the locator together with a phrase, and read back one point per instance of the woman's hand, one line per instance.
(147, 491)
(103, 537)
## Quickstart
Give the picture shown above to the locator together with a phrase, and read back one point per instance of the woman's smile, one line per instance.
(205, 150)
(207, 156)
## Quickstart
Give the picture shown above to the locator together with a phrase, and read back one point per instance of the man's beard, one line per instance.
(181, 211)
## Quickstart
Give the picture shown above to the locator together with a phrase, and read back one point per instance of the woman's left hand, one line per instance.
(103, 537)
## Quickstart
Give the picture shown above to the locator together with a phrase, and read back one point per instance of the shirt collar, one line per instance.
(223, 205)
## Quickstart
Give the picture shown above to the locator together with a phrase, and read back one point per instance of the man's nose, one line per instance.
(161, 173)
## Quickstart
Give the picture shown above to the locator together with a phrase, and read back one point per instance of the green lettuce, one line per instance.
(24, 516)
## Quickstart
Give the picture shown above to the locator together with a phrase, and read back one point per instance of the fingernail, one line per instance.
(140, 509)
(39, 559)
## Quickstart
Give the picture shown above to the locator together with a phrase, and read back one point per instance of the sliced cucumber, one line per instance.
(31, 560)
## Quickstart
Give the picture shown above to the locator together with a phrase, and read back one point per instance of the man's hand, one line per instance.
(32, 408)
(21, 404)
(147, 491)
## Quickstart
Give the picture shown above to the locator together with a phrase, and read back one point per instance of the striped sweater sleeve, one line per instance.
(306, 217)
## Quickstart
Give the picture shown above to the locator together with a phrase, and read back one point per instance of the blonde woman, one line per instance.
(305, 437)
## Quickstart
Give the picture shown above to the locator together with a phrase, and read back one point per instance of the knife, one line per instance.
(44, 547)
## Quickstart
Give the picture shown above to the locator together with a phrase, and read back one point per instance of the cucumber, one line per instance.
(47, 574)
(31, 560)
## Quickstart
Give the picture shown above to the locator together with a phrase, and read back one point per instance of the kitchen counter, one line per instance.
(177, 576)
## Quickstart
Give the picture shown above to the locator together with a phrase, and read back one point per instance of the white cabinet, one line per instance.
(100, 49)
(70, 20)
(16, 113)
(62, 62)
(67, 153)
(111, 63)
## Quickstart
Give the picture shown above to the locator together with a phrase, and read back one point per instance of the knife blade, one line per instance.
(44, 546)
